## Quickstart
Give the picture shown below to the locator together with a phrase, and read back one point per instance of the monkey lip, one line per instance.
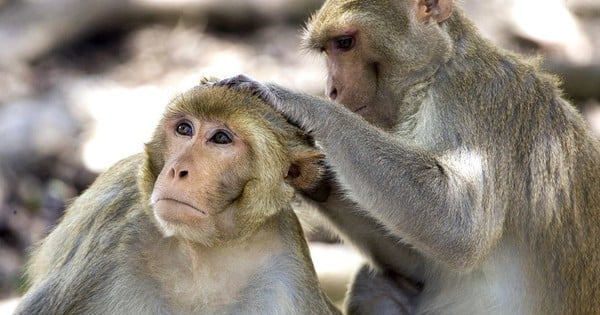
(181, 203)
(360, 109)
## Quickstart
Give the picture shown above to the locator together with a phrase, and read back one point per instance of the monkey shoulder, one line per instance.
(112, 196)
(283, 287)
(116, 189)
(88, 253)
(294, 280)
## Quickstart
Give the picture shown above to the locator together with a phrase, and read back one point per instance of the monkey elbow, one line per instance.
(463, 261)
(466, 254)
(464, 248)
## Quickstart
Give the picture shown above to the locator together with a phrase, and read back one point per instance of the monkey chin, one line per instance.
(177, 218)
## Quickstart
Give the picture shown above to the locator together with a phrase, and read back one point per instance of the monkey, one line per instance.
(459, 170)
(199, 223)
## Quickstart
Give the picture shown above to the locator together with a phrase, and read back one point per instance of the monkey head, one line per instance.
(221, 162)
(376, 49)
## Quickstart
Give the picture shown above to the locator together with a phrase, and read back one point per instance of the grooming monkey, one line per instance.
(474, 187)
(198, 224)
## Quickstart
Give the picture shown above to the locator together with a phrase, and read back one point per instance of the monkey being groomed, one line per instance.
(198, 224)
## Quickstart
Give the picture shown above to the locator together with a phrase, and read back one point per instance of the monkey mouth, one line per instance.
(182, 203)
(360, 109)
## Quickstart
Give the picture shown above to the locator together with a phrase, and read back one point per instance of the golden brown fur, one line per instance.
(231, 244)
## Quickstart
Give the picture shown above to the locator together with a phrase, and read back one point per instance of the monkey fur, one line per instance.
(195, 225)
(460, 171)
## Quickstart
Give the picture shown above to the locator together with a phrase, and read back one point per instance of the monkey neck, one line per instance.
(213, 275)
(257, 243)
(472, 58)
(191, 265)
(470, 48)
(454, 46)
(485, 71)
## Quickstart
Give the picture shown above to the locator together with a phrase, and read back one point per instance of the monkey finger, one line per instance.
(241, 82)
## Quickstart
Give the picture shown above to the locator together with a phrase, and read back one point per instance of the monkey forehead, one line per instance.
(335, 16)
(238, 108)
(206, 101)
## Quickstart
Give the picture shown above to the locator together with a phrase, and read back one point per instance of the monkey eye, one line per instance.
(221, 137)
(344, 43)
(184, 129)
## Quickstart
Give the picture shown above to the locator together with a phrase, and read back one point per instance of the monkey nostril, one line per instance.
(333, 94)
(183, 174)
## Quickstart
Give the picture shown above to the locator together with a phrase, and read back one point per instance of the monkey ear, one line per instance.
(306, 169)
(438, 10)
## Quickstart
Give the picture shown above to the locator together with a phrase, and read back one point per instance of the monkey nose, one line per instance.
(178, 174)
(333, 94)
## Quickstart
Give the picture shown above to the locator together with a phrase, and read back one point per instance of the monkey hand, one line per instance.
(296, 107)
(243, 82)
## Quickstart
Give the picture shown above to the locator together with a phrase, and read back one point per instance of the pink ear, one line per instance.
(438, 10)
(306, 169)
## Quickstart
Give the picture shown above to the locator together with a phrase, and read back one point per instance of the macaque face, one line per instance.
(221, 163)
(206, 169)
(354, 71)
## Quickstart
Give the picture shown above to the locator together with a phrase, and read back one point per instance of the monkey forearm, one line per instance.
(433, 202)
(371, 237)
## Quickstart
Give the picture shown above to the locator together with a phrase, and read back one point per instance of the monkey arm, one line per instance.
(369, 236)
(438, 204)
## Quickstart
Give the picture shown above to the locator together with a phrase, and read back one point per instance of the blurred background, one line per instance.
(83, 83)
